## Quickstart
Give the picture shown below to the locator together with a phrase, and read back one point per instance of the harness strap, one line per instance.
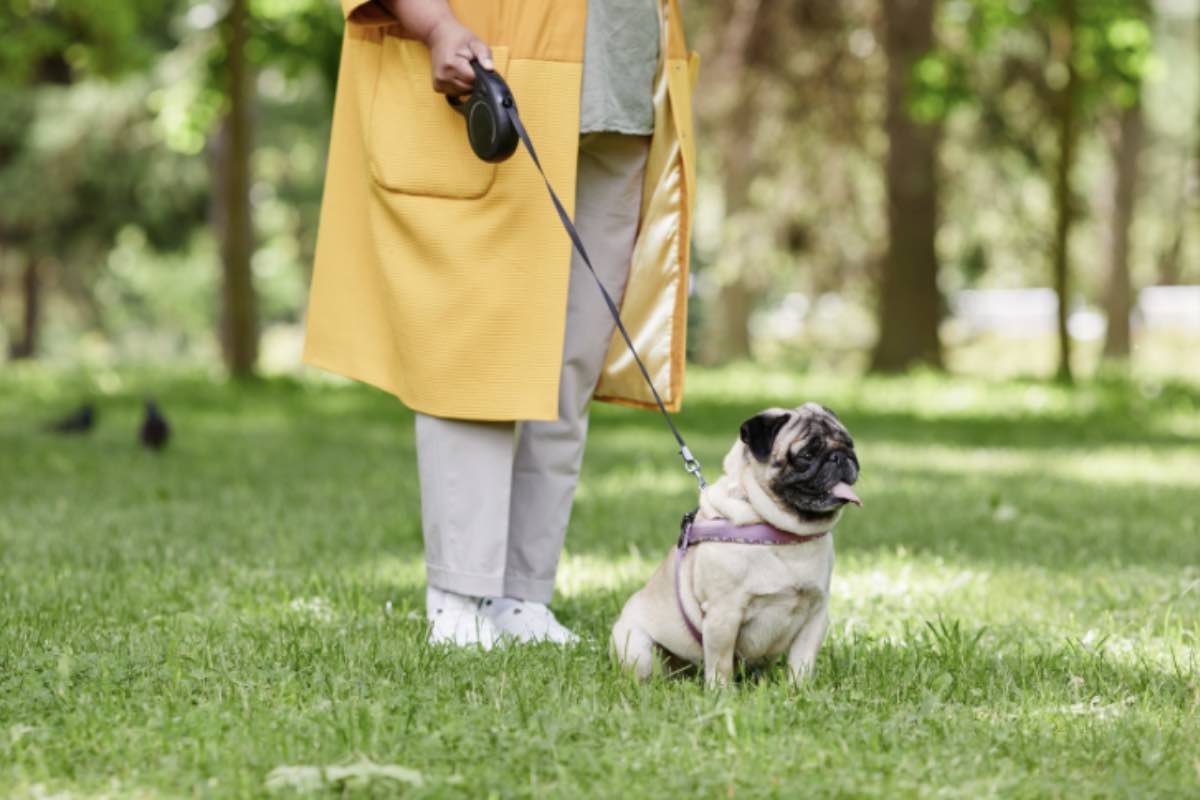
(723, 531)
(689, 461)
(691, 626)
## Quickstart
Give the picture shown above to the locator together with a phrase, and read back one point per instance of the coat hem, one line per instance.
(363, 376)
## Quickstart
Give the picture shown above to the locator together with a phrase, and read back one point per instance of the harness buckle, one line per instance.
(685, 529)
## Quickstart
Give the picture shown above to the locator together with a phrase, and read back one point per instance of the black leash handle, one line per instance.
(690, 463)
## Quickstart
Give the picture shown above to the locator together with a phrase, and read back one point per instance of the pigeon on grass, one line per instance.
(155, 431)
(81, 420)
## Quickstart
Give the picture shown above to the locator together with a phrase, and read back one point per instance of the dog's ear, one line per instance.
(759, 432)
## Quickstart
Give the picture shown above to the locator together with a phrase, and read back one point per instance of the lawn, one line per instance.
(1015, 611)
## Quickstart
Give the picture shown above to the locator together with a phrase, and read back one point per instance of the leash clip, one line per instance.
(692, 466)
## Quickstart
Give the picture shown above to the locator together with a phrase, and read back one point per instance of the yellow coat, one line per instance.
(443, 279)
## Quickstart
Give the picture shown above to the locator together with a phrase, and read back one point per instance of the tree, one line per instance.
(239, 317)
(297, 36)
(1065, 37)
(26, 344)
(787, 123)
(728, 108)
(51, 50)
(1118, 301)
(1075, 61)
(95, 74)
(909, 300)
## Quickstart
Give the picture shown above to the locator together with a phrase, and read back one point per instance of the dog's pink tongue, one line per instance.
(843, 490)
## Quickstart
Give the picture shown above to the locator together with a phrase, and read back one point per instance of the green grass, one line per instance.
(1015, 611)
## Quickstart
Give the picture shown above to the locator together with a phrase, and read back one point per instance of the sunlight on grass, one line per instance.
(639, 477)
(933, 395)
(886, 594)
(395, 571)
(1158, 466)
(1163, 467)
(582, 575)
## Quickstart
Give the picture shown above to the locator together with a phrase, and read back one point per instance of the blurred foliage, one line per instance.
(993, 49)
(992, 82)
(815, 202)
(106, 175)
(108, 113)
(55, 42)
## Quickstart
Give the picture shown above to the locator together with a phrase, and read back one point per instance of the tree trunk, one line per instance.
(1119, 296)
(728, 331)
(728, 105)
(1170, 260)
(909, 301)
(1196, 160)
(1068, 135)
(728, 327)
(25, 346)
(239, 317)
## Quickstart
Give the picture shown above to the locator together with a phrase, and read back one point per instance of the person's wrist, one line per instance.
(421, 19)
(441, 27)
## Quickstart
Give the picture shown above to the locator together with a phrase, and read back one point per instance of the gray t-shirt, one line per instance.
(620, 58)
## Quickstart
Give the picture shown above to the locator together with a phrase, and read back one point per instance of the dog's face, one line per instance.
(804, 458)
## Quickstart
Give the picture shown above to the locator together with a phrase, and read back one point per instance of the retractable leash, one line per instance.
(494, 129)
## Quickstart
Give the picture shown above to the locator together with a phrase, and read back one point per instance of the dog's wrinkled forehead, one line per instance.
(813, 423)
(777, 431)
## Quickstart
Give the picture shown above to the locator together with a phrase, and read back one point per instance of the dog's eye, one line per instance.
(811, 451)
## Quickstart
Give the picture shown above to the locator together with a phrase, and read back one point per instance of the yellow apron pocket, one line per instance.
(417, 143)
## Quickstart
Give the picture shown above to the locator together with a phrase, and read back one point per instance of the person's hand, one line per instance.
(451, 44)
(451, 48)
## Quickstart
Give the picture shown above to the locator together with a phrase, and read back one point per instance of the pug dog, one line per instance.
(791, 469)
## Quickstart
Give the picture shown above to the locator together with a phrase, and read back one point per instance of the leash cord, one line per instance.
(690, 463)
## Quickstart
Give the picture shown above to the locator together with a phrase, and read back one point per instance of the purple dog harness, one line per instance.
(720, 530)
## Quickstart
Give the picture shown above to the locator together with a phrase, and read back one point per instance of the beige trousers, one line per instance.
(496, 496)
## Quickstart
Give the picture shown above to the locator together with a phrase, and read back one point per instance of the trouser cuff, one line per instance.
(537, 590)
(464, 582)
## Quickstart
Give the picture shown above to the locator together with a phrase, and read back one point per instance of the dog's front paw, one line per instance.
(801, 673)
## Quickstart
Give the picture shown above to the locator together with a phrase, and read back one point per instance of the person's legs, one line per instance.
(608, 201)
(465, 471)
(466, 474)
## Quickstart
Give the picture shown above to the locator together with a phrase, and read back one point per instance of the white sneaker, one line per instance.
(525, 620)
(455, 619)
